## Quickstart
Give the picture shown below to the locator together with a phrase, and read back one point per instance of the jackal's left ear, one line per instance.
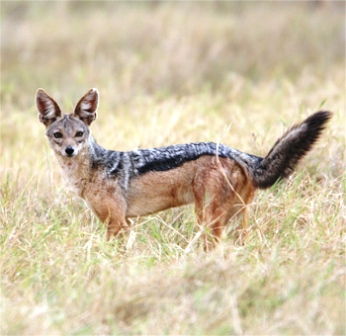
(86, 108)
(48, 109)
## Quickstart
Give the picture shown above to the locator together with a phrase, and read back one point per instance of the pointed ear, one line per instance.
(48, 109)
(86, 108)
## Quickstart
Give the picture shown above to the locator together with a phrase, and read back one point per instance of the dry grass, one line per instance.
(238, 73)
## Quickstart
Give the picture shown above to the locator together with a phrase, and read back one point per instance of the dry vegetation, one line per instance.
(167, 73)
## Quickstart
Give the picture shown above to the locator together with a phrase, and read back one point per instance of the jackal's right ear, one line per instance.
(86, 108)
(48, 109)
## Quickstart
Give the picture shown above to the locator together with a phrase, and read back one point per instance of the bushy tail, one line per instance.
(289, 150)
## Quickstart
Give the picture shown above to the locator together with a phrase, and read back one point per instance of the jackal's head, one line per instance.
(67, 134)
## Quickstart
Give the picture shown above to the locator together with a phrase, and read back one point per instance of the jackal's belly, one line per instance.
(144, 207)
(158, 191)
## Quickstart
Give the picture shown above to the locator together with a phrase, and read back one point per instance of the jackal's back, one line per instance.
(141, 161)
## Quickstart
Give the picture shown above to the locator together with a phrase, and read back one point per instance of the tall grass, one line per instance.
(238, 73)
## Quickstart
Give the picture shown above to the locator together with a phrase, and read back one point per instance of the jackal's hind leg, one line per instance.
(211, 213)
(240, 230)
(240, 210)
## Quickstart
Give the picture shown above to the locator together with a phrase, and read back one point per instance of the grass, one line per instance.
(238, 73)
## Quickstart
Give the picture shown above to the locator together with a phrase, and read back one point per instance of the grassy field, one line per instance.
(239, 73)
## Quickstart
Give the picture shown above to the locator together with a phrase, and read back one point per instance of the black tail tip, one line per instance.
(319, 118)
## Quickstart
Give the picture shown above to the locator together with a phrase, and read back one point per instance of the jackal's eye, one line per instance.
(79, 134)
(57, 135)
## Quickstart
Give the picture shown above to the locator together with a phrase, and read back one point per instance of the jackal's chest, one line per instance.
(76, 174)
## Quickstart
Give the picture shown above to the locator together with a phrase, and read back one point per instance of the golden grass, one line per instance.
(239, 73)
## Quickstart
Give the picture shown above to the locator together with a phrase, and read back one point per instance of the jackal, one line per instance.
(219, 180)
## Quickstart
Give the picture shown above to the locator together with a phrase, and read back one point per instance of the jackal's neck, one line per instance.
(79, 169)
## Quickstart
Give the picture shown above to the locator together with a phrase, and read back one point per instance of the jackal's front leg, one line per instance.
(111, 210)
(114, 227)
(115, 220)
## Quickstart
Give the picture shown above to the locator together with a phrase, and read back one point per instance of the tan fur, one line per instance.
(219, 188)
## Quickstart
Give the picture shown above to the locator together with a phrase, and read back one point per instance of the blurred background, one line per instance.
(163, 48)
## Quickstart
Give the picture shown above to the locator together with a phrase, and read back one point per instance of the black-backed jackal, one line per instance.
(219, 180)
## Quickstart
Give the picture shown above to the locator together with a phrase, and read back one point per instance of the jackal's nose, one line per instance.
(69, 150)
